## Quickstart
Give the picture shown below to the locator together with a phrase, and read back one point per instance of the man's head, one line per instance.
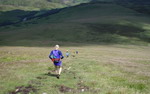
(56, 47)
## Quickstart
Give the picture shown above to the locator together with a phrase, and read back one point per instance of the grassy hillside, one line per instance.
(15, 11)
(113, 69)
(6, 5)
(88, 23)
(142, 6)
(97, 12)
(30, 9)
(28, 5)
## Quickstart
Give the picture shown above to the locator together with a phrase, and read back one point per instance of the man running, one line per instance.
(56, 56)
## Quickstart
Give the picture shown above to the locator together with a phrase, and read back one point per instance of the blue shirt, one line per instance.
(56, 54)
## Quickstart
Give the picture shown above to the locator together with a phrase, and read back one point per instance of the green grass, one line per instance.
(44, 34)
(114, 69)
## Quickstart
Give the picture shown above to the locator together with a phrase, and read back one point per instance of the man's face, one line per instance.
(56, 48)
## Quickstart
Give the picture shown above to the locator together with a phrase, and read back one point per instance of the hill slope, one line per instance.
(37, 4)
(26, 10)
(142, 6)
(15, 11)
(88, 23)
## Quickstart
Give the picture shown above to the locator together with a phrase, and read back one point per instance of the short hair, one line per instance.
(57, 46)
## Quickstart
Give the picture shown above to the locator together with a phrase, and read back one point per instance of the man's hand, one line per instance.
(62, 57)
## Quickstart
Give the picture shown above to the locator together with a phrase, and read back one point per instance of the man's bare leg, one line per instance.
(59, 70)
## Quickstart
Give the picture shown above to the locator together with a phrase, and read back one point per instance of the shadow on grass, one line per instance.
(51, 74)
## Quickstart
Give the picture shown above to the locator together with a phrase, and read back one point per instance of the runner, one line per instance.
(67, 53)
(56, 56)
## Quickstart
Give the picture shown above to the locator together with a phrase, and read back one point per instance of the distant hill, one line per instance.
(142, 6)
(37, 4)
(140, 2)
(15, 11)
(29, 9)
(86, 23)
